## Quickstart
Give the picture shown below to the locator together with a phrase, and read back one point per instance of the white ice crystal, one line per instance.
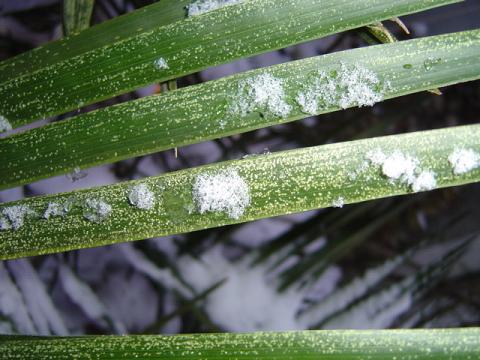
(464, 160)
(399, 166)
(96, 210)
(4, 124)
(308, 102)
(339, 202)
(359, 86)
(142, 197)
(350, 85)
(404, 169)
(4, 223)
(262, 92)
(225, 191)
(55, 209)
(14, 217)
(161, 64)
(203, 6)
(396, 166)
(424, 182)
(376, 157)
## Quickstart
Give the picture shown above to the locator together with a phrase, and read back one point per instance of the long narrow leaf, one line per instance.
(117, 29)
(76, 15)
(13, 306)
(459, 344)
(241, 190)
(44, 314)
(204, 112)
(179, 48)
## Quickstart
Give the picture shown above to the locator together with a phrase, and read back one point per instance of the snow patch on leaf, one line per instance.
(404, 169)
(142, 197)
(203, 6)
(14, 217)
(350, 85)
(464, 160)
(161, 64)
(225, 191)
(339, 202)
(55, 209)
(424, 182)
(96, 210)
(4, 124)
(263, 92)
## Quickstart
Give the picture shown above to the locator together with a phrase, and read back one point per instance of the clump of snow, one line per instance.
(403, 168)
(203, 6)
(399, 166)
(350, 85)
(161, 64)
(14, 217)
(55, 209)
(396, 166)
(359, 86)
(339, 202)
(225, 191)
(4, 124)
(262, 92)
(464, 160)
(247, 300)
(376, 157)
(142, 197)
(308, 102)
(96, 210)
(4, 224)
(424, 182)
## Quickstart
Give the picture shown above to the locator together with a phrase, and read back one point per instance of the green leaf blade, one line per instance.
(190, 45)
(77, 15)
(279, 184)
(197, 113)
(115, 30)
(439, 344)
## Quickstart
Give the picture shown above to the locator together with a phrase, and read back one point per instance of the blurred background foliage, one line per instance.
(401, 262)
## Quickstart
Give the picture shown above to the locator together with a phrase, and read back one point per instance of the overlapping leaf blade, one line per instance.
(281, 183)
(202, 112)
(74, 73)
(381, 344)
